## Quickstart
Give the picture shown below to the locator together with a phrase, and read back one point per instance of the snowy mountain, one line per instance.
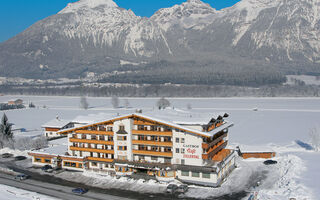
(97, 36)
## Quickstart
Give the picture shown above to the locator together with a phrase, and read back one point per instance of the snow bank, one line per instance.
(15, 152)
(285, 182)
(11, 193)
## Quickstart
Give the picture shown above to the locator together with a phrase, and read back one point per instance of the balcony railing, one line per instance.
(214, 151)
(153, 143)
(214, 142)
(144, 132)
(91, 150)
(92, 141)
(100, 159)
(152, 153)
(94, 132)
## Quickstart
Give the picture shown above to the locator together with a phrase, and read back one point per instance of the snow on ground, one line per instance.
(11, 193)
(280, 124)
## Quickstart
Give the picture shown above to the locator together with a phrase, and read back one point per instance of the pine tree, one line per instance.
(6, 134)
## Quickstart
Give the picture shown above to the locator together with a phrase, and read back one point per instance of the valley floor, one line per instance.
(280, 124)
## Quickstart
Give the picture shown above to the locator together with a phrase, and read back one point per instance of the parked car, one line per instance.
(47, 168)
(182, 188)
(270, 162)
(6, 155)
(21, 177)
(20, 158)
(171, 188)
(80, 190)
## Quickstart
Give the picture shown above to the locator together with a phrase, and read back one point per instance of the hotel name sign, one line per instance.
(190, 151)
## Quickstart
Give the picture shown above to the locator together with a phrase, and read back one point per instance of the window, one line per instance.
(93, 137)
(109, 128)
(167, 160)
(182, 150)
(154, 138)
(83, 137)
(122, 148)
(141, 157)
(177, 150)
(122, 138)
(71, 164)
(205, 175)
(140, 127)
(184, 173)
(122, 157)
(182, 162)
(37, 159)
(80, 165)
(154, 148)
(177, 140)
(195, 174)
(155, 158)
(121, 128)
(182, 140)
(101, 137)
(94, 164)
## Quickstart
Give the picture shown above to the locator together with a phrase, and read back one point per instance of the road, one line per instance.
(61, 189)
(60, 192)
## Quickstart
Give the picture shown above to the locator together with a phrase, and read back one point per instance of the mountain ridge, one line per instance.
(97, 36)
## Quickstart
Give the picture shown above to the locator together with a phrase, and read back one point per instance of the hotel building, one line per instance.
(166, 147)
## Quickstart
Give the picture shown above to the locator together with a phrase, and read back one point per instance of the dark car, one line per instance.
(171, 188)
(182, 188)
(21, 177)
(20, 158)
(270, 162)
(6, 155)
(80, 190)
(47, 168)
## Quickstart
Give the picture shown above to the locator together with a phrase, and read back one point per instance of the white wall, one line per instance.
(192, 149)
(128, 125)
(213, 178)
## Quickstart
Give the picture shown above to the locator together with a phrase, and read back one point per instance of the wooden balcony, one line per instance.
(215, 150)
(91, 150)
(152, 153)
(214, 142)
(152, 143)
(92, 141)
(100, 159)
(94, 132)
(158, 133)
(142, 123)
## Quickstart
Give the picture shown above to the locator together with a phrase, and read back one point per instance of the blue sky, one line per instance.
(17, 15)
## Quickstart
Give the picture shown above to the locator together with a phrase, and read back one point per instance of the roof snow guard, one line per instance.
(225, 125)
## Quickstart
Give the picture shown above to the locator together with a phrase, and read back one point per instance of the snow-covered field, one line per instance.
(11, 193)
(281, 124)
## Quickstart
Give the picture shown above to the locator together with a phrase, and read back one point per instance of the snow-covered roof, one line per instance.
(56, 123)
(54, 150)
(255, 149)
(171, 117)
(60, 141)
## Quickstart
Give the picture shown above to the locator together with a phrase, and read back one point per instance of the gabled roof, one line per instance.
(56, 123)
(157, 121)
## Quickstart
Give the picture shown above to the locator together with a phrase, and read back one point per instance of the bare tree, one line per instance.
(6, 134)
(115, 102)
(315, 138)
(84, 103)
(39, 143)
(162, 103)
(189, 107)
